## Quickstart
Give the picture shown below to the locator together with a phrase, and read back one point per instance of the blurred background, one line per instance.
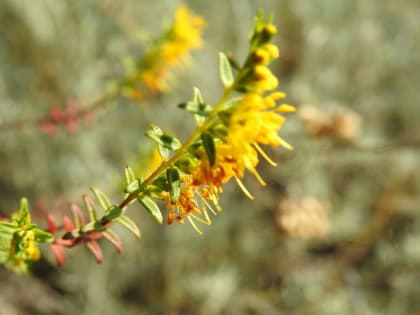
(336, 230)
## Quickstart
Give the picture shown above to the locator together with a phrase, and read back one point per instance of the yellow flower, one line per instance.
(265, 80)
(256, 120)
(171, 50)
(183, 36)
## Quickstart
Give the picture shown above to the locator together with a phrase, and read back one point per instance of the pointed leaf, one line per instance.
(114, 239)
(52, 224)
(42, 236)
(67, 224)
(7, 228)
(151, 207)
(58, 251)
(197, 97)
(129, 175)
(96, 251)
(208, 143)
(23, 217)
(225, 70)
(102, 198)
(174, 181)
(79, 218)
(129, 225)
(91, 208)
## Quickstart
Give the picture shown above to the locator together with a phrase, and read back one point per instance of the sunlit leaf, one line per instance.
(102, 198)
(174, 182)
(151, 207)
(225, 70)
(209, 147)
(129, 225)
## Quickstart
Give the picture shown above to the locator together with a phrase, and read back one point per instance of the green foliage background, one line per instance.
(361, 55)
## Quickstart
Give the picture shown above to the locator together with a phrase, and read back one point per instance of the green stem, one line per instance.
(166, 164)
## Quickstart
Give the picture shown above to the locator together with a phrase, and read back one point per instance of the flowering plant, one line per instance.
(227, 142)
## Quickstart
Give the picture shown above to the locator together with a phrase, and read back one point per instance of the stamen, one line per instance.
(285, 144)
(258, 176)
(264, 155)
(194, 226)
(244, 190)
(206, 205)
(206, 222)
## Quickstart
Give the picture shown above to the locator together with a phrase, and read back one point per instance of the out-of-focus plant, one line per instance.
(226, 142)
(146, 76)
(19, 239)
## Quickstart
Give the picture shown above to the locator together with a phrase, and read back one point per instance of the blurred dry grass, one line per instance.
(360, 56)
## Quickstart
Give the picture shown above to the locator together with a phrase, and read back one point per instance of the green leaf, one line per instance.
(233, 102)
(132, 187)
(164, 141)
(225, 70)
(154, 133)
(174, 181)
(161, 182)
(129, 225)
(24, 217)
(170, 142)
(7, 228)
(113, 213)
(201, 109)
(102, 199)
(163, 152)
(90, 205)
(208, 143)
(197, 97)
(42, 236)
(114, 239)
(151, 207)
(129, 175)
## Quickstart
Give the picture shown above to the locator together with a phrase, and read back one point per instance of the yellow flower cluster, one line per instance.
(152, 73)
(253, 121)
(30, 250)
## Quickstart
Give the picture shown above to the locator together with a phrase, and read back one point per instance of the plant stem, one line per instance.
(183, 149)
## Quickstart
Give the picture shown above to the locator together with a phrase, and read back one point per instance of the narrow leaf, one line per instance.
(174, 181)
(79, 218)
(209, 146)
(197, 97)
(58, 251)
(151, 207)
(114, 239)
(91, 208)
(8, 228)
(52, 224)
(67, 224)
(24, 216)
(102, 198)
(42, 236)
(129, 225)
(96, 251)
(129, 175)
(225, 70)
